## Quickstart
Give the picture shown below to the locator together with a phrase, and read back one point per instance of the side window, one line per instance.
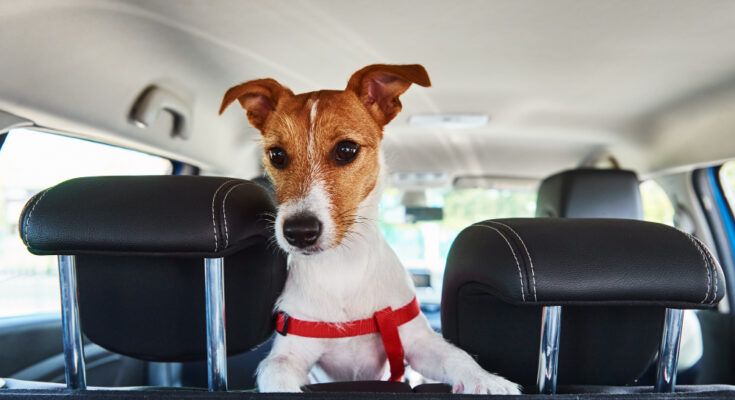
(727, 179)
(29, 162)
(657, 206)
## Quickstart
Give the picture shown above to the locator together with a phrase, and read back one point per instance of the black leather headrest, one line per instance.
(555, 261)
(139, 244)
(500, 273)
(174, 215)
(590, 193)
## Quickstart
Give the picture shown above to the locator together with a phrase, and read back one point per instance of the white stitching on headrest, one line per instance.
(224, 212)
(704, 258)
(530, 261)
(30, 213)
(214, 222)
(713, 263)
(518, 264)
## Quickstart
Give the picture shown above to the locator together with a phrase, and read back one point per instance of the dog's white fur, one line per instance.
(352, 281)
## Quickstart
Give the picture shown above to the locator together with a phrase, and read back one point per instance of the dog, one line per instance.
(348, 305)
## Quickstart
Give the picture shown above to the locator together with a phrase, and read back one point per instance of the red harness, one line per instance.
(385, 322)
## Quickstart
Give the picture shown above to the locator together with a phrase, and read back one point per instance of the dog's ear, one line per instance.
(378, 87)
(259, 97)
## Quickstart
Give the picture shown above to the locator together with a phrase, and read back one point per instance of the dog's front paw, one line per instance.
(485, 383)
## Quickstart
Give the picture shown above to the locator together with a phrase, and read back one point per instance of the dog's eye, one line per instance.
(345, 152)
(278, 157)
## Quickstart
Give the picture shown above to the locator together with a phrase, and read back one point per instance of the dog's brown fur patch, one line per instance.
(339, 116)
(356, 114)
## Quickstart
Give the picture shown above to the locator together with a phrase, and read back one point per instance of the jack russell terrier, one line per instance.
(348, 305)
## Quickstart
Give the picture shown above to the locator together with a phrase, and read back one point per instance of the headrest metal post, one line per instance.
(214, 282)
(548, 357)
(668, 354)
(76, 374)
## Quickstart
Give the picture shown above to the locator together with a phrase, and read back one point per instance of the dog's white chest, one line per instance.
(355, 358)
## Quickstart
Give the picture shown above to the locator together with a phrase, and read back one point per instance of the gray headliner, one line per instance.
(651, 82)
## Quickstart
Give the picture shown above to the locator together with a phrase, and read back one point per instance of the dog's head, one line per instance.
(322, 148)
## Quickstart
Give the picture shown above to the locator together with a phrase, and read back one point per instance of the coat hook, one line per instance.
(154, 99)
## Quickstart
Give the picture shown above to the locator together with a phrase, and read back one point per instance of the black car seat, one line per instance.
(611, 193)
(138, 245)
(613, 280)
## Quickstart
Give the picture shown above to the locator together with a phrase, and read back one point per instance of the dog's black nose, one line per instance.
(302, 230)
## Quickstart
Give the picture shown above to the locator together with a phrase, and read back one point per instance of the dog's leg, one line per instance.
(286, 369)
(429, 354)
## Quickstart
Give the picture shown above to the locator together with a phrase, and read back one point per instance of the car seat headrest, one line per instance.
(613, 278)
(590, 193)
(139, 243)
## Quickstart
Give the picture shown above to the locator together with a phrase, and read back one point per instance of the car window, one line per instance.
(29, 162)
(420, 225)
(657, 206)
(727, 179)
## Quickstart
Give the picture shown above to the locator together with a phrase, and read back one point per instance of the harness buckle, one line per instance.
(286, 319)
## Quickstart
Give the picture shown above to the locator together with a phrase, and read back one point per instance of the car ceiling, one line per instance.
(650, 82)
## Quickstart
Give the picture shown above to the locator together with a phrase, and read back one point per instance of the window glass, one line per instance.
(31, 161)
(420, 225)
(657, 206)
(727, 179)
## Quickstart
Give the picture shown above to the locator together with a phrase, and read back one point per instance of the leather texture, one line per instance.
(139, 244)
(359, 387)
(559, 261)
(432, 388)
(598, 345)
(172, 215)
(590, 193)
(153, 307)
(614, 277)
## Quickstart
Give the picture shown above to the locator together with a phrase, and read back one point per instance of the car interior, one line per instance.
(563, 195)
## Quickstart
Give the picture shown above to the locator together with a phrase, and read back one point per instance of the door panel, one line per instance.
(27, 340)
(31, 349)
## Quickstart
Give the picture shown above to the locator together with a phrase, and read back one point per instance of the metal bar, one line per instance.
(214, 284)
(668, 354)
(76, 373)
(548, 357)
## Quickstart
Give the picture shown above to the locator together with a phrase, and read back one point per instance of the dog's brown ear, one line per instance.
(378, 87)
(259, 97)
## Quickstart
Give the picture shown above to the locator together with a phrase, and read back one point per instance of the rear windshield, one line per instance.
(420, 225)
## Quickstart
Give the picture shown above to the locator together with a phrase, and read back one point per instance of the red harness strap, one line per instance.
(385, 322)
